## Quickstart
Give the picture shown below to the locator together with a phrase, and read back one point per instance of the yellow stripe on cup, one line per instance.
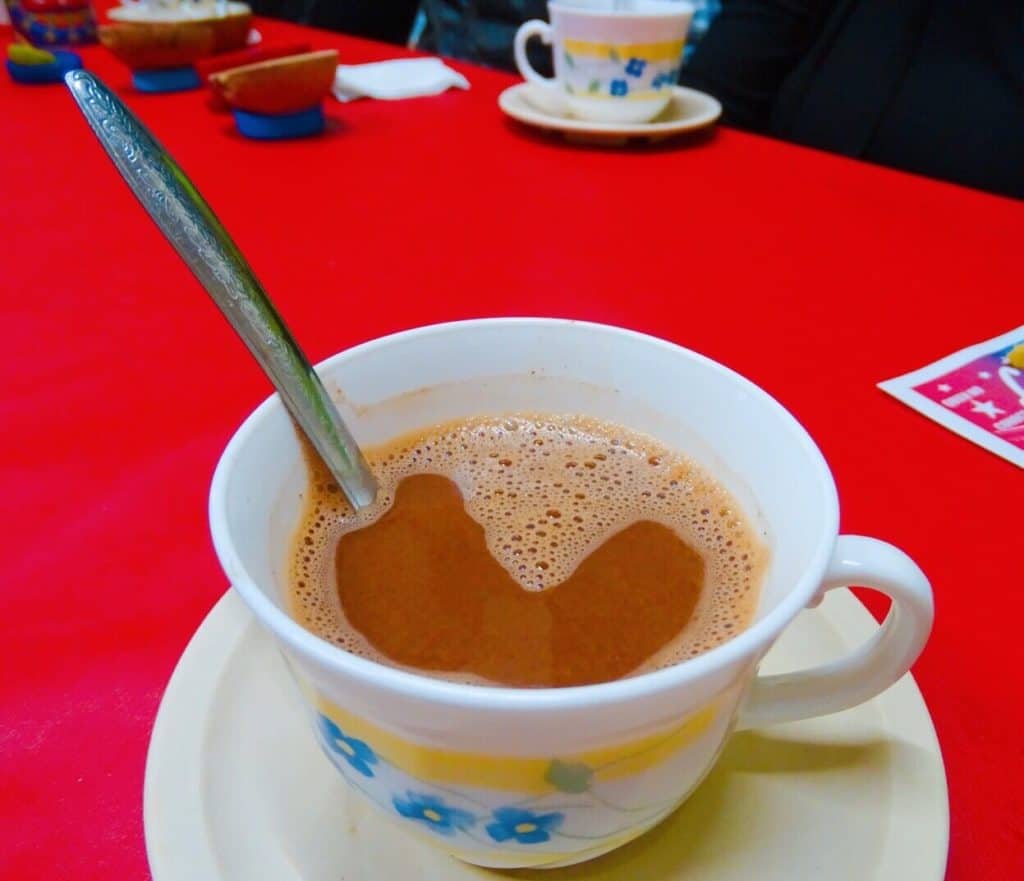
(516, 773)
(645, 51)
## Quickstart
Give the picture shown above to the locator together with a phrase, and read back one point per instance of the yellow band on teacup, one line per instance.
(520, 774)
(624, 51)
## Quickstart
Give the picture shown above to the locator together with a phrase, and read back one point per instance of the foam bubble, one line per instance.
(547, 491)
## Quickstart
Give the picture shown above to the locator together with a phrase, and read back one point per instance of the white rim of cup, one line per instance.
(755, 638)
(649, 9)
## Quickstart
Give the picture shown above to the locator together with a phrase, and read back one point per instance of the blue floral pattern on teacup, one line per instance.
(665, 78)
(635, 67)
(612, 77)
(359, 755)
(565, 804)
(523, 826)
(432, 812)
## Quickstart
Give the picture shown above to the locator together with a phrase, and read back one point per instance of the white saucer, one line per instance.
(237, 790)
(689, 110)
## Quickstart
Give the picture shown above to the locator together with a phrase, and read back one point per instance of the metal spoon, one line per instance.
(198, 236)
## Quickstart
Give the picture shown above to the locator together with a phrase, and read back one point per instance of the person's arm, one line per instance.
(750, 48)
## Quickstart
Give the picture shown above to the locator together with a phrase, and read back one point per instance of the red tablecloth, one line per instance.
(814, 275)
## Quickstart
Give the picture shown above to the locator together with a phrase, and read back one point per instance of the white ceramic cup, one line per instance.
(545, 777)
(614, 62)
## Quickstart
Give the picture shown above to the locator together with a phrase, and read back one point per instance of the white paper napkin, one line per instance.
(390, 80)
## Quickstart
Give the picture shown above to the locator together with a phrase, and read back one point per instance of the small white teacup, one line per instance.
(520, 777)
(614, 61)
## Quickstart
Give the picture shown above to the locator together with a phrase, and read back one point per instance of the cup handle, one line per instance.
(874, 666)
(535, 28)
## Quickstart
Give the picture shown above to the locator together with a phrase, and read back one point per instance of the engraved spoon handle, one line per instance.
(198, 236)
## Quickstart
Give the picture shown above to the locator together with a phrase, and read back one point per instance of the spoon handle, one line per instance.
(198, 236)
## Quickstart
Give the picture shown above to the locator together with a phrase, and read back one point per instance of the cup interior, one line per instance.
(733, 429)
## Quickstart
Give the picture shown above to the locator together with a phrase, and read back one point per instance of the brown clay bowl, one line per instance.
(158, 45)
(229, 31)
(280, 85)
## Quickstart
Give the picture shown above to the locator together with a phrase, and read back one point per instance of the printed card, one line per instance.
(977, 392)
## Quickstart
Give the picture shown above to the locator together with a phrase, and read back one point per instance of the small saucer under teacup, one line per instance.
(688, 111)
(238, 790)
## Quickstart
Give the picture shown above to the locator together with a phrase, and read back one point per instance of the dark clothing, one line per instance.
(388, 20)
(483, 30)
(475, 30)
(931, 86)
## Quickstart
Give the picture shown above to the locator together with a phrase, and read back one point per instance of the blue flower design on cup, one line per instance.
(524, 826)
(619, 88)
(359, 755)
(635, 67)
(666, 78)
(432, 812)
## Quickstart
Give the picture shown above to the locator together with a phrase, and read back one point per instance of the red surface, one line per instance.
(52, 5)
(814, 275)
